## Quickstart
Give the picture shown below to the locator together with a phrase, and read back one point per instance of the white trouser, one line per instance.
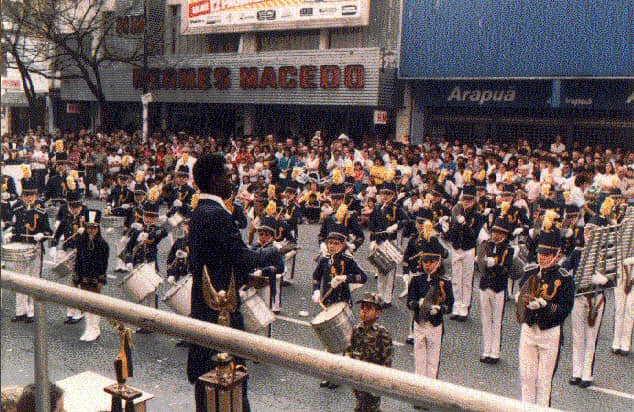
(623, 320)
(538, 355)
(385, 286)
(288, 265)
(24, 303)
(73, 312)
(462, 279)
(491, 310)
(92, 328)
(427, 340)
(584, 337)
(277, 301)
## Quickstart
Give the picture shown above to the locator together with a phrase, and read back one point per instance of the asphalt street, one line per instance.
(160, 366)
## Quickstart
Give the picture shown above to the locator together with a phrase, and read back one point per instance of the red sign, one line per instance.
(252, 78)
(73, 108)
(380, 117)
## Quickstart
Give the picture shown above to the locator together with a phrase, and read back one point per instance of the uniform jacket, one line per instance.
(328, 268)
(178, 267)
(350, 221)
(146, 252)
(91, 263)
(55, 187)
(418, 288)
(412, 257)
(496, 277)
(382, 217)
(558, 306)
(120, 195)
(29, 221)
(464, 236)
(69, 224)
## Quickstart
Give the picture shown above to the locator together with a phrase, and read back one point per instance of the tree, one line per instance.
(84, 37)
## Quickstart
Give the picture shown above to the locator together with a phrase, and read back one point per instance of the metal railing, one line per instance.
(405, 386)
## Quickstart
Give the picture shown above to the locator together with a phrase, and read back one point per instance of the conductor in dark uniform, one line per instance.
(218, 253)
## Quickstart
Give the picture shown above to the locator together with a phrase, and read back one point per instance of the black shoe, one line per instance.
(493, 361)
(144, 331)
(484, 359)
(585, 384)
(324, 384)
(18, 318)
(616, 351)
(453, 316)
(409, 341)
(462, 318)
(625, 352)
(574, 381)
(182, 344)
(332, 385)
(386, 305)
(73, 321)
(29, 319)
(286, 283)
(68, 320)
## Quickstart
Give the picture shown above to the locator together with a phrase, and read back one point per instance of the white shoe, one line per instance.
(93, 331)
(276, 308)
(403, 293)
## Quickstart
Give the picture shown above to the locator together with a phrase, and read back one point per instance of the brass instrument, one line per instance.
(435, 296)
(593, 310)
(533, 289)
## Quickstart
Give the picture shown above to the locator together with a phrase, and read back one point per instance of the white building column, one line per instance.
(404, 115)
(248, 119)
(248, 43)
(324, 39)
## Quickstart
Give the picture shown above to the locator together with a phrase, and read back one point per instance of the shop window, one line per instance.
(174, 29)
(223, 43)
(288, 40)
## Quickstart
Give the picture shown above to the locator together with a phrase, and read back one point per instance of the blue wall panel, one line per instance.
(517, 38)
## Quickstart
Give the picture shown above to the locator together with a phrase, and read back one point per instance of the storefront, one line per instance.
(288, 93)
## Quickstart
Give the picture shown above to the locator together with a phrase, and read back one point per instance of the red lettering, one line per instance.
(269, 78)
(204, 78)
(222, 79)
(186, 79)
(329, 76)
(307, 77)
(153, 79)
(354, 76)
(286, 81)
(249, 77)
(168, 79)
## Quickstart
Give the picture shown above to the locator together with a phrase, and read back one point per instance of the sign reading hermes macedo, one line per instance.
(285, 77)
(222, 16)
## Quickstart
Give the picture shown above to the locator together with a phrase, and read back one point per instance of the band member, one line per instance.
(370, 342)
(545, 300)
(348, 218)
(494, 260)
(334, 274)
(384, 223)
(70, 223)
(91, 266)
(178, 256)
(623, 318)
(120, 201)
(462, 232)
(220, 261)
(30, 226)
(429, 296)
(182, 193)
(266, 236)
(56, 185)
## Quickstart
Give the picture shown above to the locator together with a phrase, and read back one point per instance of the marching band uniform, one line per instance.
(494, 260)
(428, 316)
(70, 223)
(177, 260)
(463, 232)
(347, 217)
(91, 266)
(56, 186)
(383, 225)
(541, 329)
(181, 196)
(120, 201)
(30, 226)
(273, 271)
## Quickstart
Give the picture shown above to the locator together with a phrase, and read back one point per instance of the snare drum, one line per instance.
(179, 297)
(20, 257)
(112, 222)
(142, 282)
(333, 327)
(64, 263)
(256, 312)
(385, 257)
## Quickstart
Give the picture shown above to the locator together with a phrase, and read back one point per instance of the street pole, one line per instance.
(42, 394)
(145, 103)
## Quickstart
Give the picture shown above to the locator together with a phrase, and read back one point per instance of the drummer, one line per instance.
(181, 196)
(428, 315)
(266, 231)
(69, 224)
(119, 204)
(31, 226)
(334, 274)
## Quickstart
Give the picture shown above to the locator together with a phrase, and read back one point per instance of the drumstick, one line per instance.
(321, 301)
(45, 236)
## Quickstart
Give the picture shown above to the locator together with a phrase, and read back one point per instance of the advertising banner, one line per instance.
(225, 16)
(597, 94)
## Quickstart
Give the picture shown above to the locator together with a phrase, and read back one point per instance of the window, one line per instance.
(174, 29)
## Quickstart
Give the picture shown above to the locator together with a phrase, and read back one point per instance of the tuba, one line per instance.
(530, 290)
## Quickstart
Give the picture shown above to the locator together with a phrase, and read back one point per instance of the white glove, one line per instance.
(162, 218)
(258, 273)
(177, 203)
(351, 247)
(323, 249)
(568, 233)
(533, 305)
(181, 254)
(81, 230)
(434, 310)
(5, 195)
(171, 279)
(400, 195)
(125, 206)
(373, 246)
(421, 302)
(542, 302)
(392, 229)
(444, 226)
(443, 219)
(316, 296)
(129, 267)
(460, 220)
(531, 233)
(599, 279)
(243, 294)
(136, 226)
(38, 237)
(490, 262)
(53, 252)
(278, 245)
(518, 231)
(142, 237)
(486, 211)
(337, 280)
(629, 261)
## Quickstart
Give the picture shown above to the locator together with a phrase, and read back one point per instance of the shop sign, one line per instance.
(11, 84)
(252, 78)
(597, 94)
(73, 108)
(484, 94)
(380, 117)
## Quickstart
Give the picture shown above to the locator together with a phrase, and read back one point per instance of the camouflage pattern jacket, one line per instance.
(371, 345)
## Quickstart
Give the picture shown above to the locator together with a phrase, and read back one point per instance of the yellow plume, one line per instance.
(606, 207)
(295, 173)
(341, 213)
(126, 160)
(271, 209)
(59, 146)
(195, 199)
(5, 187)
(504, 208)
(545, 189)
(508, 177)
(185, 157)
(154, 193)
(549, 219)
(481, 175)
(567, 197)
(389, 174)
(614, 181)
(348, 170)
(427, 228)
(26, 171)
(271, 192)
(70, 182)
(74, 174)
(140, 176)
(466, 176)
(337, 178)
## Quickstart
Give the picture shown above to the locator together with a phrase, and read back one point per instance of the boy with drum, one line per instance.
(370, 342)
(334, 274)
(266, 231)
